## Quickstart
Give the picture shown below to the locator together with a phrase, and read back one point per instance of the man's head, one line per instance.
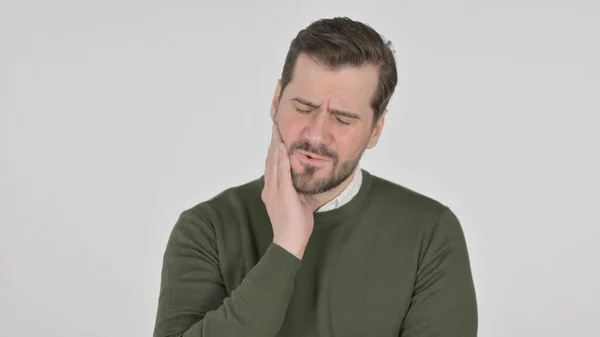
(337, 80)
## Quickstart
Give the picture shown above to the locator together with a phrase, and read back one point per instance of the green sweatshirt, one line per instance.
(390, 262)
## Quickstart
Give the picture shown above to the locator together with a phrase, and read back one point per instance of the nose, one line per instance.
(318, 130)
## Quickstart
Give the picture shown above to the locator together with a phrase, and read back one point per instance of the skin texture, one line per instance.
(322, 124)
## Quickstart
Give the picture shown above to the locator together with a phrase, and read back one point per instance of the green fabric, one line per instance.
(390, 262)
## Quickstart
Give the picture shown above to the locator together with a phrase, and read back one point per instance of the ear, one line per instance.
(376, 132)
(275, 103)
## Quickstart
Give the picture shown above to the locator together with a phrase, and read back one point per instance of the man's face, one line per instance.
(325, 119)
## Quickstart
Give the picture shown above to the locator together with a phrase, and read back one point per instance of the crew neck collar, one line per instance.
(350, 207)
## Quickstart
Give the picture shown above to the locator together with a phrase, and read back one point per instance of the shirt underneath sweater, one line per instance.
(346, 194)
(389, 262)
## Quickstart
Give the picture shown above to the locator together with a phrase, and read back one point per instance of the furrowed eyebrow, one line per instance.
(344, 113)
(305, 102)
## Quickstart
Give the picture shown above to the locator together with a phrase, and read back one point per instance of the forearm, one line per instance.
(256, 308)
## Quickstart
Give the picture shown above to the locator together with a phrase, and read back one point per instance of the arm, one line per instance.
(443, 302)
(193, 300)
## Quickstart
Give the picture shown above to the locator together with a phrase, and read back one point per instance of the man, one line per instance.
(318, 246)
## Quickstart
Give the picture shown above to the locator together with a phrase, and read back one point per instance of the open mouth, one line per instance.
(312, 156)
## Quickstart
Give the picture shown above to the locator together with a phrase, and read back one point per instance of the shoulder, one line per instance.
(397, 201)
(227, 203)
(397, 195)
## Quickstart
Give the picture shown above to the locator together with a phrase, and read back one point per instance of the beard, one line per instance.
(306, 182)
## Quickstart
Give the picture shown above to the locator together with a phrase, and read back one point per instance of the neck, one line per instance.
(317, 200)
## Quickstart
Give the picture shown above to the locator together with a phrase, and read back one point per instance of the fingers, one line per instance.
(284, 174)
(284, 170)
(272, 163)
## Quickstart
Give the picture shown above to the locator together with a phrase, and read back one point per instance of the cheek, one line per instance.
(348, 145)
(289, 129)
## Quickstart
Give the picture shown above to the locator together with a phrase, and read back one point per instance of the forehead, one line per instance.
(348, 87)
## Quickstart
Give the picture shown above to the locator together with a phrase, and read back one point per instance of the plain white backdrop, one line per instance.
(115, 116)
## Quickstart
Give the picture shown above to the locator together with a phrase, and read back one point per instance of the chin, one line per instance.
(307, 188)
(313, 182)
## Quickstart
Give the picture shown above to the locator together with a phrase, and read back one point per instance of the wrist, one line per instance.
(293, 246)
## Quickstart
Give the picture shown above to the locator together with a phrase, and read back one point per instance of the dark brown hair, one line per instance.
(341, 42)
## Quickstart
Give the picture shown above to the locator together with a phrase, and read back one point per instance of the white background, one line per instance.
(116, 116)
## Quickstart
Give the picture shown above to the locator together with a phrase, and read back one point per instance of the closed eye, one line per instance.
(342, 121)
(303, 111)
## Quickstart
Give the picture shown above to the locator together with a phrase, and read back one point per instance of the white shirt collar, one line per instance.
(346, 195)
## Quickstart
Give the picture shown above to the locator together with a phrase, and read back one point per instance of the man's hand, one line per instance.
(290, 215)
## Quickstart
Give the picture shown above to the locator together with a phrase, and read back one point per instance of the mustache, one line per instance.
(321, 150)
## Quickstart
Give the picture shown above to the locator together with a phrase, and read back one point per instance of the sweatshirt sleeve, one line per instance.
(443, 302)
(193, 301)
